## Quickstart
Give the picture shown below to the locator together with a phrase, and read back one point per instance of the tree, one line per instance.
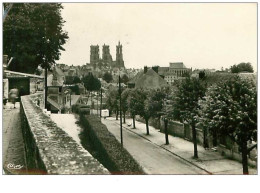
(202, 74)
(134, 103)
(145, 111)
(33, 35)
(233, 106)
(76, 80)
(107, 77)
(242, 67)
(185, 104)
(124, 103)
(138, 105)
(91, 83)
(125, 79)
(113, 101)
(156, 103)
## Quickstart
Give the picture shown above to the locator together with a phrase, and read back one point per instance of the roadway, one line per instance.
(152, 158)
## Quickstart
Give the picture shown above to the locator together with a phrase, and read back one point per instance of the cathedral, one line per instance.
(106, 60)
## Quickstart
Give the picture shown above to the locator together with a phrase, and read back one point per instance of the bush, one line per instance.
(99, 141)
(80, 108)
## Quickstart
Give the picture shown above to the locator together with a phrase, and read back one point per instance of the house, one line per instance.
(148, 79)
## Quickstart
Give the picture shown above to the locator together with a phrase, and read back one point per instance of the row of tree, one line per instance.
(146, 103)
(225, 109)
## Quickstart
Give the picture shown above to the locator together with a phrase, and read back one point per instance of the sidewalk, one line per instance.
(13, 144)
(210, 161)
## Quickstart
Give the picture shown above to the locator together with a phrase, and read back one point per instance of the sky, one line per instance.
(201, 35)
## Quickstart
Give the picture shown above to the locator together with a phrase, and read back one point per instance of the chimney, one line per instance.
(155, 68)
(145, 69)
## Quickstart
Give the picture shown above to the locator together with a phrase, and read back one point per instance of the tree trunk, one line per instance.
(166, 132)
(117, 115)
(134, 122)
(205, 138)
(194, 137)
(215, 140)
(124, 117)
(147, 126)
(244, 158)
(159, 121)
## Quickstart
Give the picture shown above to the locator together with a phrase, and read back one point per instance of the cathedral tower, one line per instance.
(119, 56)
(94, 54)
(106, 56)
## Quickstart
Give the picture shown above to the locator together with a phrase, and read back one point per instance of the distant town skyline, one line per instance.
(201, 35)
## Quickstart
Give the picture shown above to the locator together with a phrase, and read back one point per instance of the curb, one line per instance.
(165, 149)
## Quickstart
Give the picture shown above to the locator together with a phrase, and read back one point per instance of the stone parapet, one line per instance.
(49, 149)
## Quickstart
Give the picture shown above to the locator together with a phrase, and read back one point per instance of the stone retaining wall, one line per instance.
(229, 149)
(49, 150)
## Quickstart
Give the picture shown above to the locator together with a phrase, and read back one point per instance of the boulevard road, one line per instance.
(152, 158)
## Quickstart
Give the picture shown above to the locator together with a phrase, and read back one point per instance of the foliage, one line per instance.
(144, 106)
(185, 104)
(215, 78)
(107, 77)
(91, 83)
(155, 102)
(76, 80)
(138, 105)
(106, 147)
(124, 98)
(231, 109)
(71, 80)
(75, 89)
(80, 109)
(125, 79)
(136, 102)
(242, 67)
(202, 75)
(113, 100)
(33, 35)
(185, 100)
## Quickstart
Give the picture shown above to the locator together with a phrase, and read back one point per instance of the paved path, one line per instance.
(208, 160)
(13, 144)
(152, 158)
(67, 122)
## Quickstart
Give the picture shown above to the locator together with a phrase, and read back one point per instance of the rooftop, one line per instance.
(177, 65)
(150, 80)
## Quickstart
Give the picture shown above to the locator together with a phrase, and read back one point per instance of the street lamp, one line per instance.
(120, 109)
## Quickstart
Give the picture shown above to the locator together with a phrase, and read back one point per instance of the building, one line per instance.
(147, 79)
(106, 60)
(175, 71)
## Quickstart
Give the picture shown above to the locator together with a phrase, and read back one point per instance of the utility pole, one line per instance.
(97, 104)
(100, 101)
(46, 88)
(120, 103)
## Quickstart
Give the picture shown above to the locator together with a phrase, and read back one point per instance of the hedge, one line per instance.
(80, 108)
(103, 145)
